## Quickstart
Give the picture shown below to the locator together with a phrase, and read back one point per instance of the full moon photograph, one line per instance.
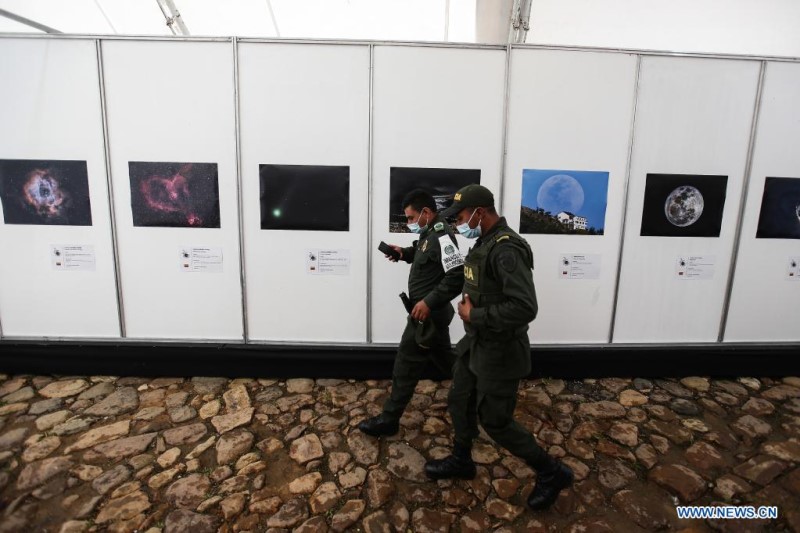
(563, 201)
(780, 209)
(683, 205)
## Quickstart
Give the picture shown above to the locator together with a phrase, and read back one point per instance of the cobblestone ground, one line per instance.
(212, 454)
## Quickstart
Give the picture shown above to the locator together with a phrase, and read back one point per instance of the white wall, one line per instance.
(174, 102)
(434, 108)
(757, 27)
(304, 105)
(50, 109)
(571, 111)
(694, 116)
(764, 301)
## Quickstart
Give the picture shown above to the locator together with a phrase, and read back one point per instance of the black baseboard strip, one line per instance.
(371, 362)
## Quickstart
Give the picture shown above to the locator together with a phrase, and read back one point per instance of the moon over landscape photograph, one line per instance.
(563, 202)
(683, 205)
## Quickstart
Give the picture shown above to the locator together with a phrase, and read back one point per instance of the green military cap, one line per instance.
(472, 195)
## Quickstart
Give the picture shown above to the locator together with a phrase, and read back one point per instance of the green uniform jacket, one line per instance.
(431, 278)
(499, 282)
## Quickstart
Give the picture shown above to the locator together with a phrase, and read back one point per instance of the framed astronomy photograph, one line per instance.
(683, 205)
(305, 197)
(174, 195)
(780, 209)
(442, 183)
(571, 202)
(45, 192)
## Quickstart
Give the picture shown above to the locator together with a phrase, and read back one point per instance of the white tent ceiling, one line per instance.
(413, 20)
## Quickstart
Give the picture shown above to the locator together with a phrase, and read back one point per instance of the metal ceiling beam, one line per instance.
(520, 21)
(173, 16)
(28, 22)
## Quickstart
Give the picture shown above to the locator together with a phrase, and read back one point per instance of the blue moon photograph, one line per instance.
(563, 202)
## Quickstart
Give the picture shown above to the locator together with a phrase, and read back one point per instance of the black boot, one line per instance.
(458, 465)
(380, 425)
(549, 482)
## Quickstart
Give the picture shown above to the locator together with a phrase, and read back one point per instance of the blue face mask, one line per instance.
(466, 231)
(414, 227)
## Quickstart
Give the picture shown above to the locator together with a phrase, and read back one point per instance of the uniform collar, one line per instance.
(501, 223)
(429, 227)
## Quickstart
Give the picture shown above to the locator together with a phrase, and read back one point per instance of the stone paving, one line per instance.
(211, 454)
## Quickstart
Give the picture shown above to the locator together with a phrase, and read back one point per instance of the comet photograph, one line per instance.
(174, 195)
(305, 197)
(683, 205)
(49, 192)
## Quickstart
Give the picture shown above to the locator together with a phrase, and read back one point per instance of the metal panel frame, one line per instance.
(239, 198)
(640, 53)
(631, 138)
(748, 169)
(110, 189)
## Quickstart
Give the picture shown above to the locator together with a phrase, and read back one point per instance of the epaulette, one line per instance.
(439, 226)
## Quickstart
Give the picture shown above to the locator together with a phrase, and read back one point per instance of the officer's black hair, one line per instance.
(418, 200)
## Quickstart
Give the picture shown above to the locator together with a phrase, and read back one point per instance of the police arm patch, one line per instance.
(507, 260)
(451, 257)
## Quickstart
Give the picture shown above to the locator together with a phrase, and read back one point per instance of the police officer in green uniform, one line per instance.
(436, 277)
(499, 301)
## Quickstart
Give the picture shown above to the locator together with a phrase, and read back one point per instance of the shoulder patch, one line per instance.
(424, 246)
(502, 238)
(439, 226)
(507, 260)
(451, 257)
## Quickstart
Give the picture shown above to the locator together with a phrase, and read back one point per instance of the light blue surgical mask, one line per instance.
(466, 231)
(414, 227)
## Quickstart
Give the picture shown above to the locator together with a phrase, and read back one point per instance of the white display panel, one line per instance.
(50, 109)
(694, 116)
(304, 105)
(173, 102)
(764, 298)
(433, 108)
(571, 111)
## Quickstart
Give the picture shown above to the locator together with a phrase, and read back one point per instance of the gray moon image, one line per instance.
(684, 206)
(560, 193)
(797, 211)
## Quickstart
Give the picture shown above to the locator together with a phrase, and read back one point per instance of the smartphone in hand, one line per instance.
(388, 250)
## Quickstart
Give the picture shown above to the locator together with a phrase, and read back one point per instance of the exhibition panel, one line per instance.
(691, 138)
(57, 274)
(766, 284)
(171, 135)
(438, 123)
(225, 190)
(304, 122)
(569, 130)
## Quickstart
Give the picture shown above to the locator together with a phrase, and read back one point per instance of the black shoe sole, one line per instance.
(565, 484)
(373, 433)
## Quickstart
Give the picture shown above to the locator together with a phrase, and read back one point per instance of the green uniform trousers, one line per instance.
(473, 398)
(411, 360)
